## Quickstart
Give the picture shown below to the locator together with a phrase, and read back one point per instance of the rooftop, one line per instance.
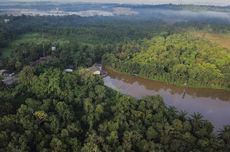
(2, 71)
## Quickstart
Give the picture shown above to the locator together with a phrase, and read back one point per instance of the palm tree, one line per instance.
(172, 111)
(182, 115)
(225, 134)
(196, 121)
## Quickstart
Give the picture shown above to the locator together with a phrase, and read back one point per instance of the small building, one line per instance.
(68, 70)
(9, 81)
(8, 78)
(11, 74)
(3, 72)
(6, 20)
(97, 72)
(53, 48)
(96, 69)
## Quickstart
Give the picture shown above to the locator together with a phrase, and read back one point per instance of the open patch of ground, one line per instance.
(222, 40)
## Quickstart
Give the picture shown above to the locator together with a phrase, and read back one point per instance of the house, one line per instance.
(96, 69)
(3, 72)
(68, 70)
(53, 48)
(8, 78)
(6, 20)
(97, 72)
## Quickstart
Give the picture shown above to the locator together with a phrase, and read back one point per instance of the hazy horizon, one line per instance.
(195, 2)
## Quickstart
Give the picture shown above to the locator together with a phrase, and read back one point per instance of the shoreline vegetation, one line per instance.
(170, 83)
(179, 59)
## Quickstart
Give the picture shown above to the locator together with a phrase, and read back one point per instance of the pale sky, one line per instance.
(201, 2)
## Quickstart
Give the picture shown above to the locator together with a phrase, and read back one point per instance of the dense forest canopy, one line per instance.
(75, 112)
(177, 58)
(48, 109)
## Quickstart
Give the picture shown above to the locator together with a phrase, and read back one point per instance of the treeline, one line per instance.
(78, 41)
(178, 58)
(96, 30)
(57, 111)
(105, 29)
(37, 52)
(95, 33)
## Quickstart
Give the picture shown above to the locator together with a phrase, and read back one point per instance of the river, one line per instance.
(213, 104)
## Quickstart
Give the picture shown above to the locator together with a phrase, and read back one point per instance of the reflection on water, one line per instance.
(213, 104)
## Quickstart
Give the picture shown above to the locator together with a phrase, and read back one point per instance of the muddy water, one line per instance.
(213, 104)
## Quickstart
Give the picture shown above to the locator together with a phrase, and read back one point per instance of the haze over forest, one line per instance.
(195, 2)
(91, 77)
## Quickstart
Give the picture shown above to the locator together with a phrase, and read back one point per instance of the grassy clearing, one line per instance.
(223, 40)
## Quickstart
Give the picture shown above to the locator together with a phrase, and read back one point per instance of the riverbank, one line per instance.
(176, 59)
(179, 84)
(213, 104)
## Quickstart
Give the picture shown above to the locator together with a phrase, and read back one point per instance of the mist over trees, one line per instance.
(48, 109)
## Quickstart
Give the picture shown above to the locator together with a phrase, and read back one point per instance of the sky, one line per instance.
(199, 2)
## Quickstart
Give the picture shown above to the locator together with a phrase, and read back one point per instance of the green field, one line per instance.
(223, 40)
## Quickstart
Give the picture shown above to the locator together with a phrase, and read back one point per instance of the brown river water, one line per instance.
(213, 104)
